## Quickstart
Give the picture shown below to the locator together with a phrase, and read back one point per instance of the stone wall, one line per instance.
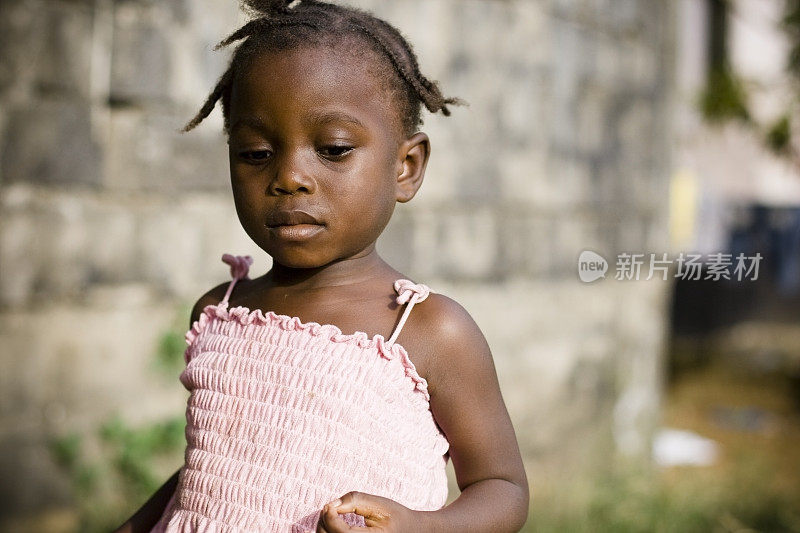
(113, 222)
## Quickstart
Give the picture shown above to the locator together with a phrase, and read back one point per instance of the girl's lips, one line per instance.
(291, 218)
(295, 232)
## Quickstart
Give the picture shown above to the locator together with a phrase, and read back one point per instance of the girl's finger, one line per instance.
(327, 516)
(333, 523)
(366, 505)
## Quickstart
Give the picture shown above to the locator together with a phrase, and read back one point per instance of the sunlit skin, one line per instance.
(313, 130)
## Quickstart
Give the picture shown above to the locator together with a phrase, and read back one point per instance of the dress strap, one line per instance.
(411, 293)
(240, 266)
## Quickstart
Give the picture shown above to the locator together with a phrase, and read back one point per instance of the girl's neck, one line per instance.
(349, 271)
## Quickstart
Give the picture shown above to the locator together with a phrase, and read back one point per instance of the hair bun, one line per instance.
(265, 7)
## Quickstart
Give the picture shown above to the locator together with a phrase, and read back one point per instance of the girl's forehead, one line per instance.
(307, 78)
(325, 71)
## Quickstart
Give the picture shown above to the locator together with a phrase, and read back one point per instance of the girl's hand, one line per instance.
(380, 514)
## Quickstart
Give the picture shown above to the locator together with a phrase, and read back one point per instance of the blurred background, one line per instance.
(611, 126)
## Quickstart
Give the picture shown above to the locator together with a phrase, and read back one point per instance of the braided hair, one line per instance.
(284, 24)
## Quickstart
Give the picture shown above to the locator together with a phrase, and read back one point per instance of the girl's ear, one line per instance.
(413, 158)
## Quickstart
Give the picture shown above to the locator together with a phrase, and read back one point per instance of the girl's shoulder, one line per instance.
(443, 319)
(211, 297)
(441, 333)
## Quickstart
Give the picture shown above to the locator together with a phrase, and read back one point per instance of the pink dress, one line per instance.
(284, 417)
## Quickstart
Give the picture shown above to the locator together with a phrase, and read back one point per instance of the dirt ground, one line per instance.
(752, 415)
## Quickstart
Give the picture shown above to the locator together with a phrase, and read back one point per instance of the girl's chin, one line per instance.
(292, 254)
(296, 260)
(302, 261)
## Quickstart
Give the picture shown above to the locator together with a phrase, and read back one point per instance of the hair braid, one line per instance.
(432, 96)
(211, 101)
(251, 28)
(412, 80)
(245, 31)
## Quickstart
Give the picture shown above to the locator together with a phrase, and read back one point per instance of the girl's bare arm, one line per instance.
(148, 515)
(467, 404)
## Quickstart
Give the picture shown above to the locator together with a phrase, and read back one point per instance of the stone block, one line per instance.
(610, 63)
(466, 243)
(166, 250)
(46, 48)
(64, 63)
(58, 246)
(147, 152)
(65, 235)
(523, 28)
(567, 182)
(141, 65)
(565, 78)
(592, 109)
(522, 116)
(523, 174)
(523, 248)
(621, 17)
(43, 247)
(19, 260)
(51, 143)
(111, 248)
(19, 26)
(639, 62)
(201, 161)
(478, 177)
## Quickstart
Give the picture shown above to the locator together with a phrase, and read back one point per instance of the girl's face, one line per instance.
(315, 154)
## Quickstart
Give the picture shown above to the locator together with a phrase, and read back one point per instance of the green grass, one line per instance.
(634, 503)
(108, 486)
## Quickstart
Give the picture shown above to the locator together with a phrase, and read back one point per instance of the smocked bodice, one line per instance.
(285, 416)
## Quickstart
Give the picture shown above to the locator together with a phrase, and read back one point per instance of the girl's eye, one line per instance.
(255, 156)
(335, 151)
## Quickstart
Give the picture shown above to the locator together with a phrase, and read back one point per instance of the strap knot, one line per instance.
(411, 293)
(408, 290)
(240, 265)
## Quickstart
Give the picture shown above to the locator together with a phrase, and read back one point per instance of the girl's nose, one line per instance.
(291, 176)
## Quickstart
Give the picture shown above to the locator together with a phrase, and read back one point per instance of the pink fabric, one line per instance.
(285, 416)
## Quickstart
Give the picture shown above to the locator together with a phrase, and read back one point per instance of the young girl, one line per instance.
(302, 415)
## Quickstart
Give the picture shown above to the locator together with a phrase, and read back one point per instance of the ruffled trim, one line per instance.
(245, 316)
